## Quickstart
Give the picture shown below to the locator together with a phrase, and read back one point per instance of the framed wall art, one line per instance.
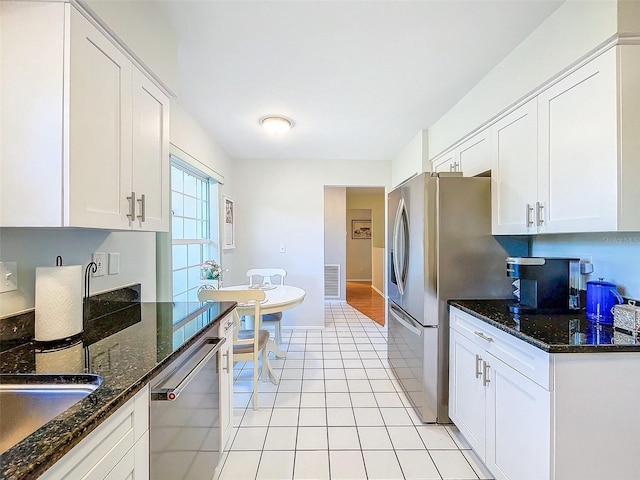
(229, 224)
(361, 229)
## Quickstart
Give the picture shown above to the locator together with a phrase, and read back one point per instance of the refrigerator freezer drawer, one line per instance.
(413, 356)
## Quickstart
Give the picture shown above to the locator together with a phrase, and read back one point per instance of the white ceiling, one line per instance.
(359, 78)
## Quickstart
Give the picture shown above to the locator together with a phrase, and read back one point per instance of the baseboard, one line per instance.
(358, 279)
(377, 291)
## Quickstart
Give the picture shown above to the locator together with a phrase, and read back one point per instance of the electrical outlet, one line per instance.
(114, 263)
(100, 259)
(8, 276)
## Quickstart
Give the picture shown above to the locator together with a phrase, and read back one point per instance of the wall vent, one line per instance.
(332, 281)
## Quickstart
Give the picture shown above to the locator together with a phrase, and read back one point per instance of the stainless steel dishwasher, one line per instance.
(185, 415)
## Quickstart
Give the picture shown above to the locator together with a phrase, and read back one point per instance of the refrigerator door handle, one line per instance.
(400, 245)
(401, 320)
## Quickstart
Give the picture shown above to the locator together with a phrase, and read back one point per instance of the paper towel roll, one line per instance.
(58, 302)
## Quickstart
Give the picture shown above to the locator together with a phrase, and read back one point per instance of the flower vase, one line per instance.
(210, 284)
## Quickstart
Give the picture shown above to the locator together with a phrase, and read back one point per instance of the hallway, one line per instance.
(366, 300)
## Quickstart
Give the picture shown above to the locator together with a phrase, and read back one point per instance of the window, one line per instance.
(194, 222)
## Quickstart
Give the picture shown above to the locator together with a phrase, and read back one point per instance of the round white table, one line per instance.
(278, 299)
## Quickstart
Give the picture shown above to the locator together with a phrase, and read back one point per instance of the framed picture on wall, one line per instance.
(229, 225)
(361, 229)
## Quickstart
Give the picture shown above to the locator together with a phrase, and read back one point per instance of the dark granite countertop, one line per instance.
(553, 333)
(126, 348)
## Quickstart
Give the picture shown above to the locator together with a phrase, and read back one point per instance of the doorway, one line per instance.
(355, 233)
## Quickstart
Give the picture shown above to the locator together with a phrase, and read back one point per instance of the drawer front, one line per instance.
(530, 361)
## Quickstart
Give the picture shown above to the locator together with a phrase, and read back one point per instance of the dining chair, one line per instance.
(267, 277)
(248, 345)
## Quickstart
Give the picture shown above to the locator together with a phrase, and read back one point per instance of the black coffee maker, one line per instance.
(544, 285)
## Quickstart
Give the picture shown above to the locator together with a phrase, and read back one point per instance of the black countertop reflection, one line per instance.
(553, 333)
(126, 348)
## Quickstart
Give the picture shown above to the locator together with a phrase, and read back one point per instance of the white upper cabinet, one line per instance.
(563, 162)
(99, 129)
(578, 150)
(150, 172)
(471, 157)
(90, 146)
(514, 175)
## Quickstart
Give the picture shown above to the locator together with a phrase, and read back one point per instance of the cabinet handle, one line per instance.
(478, 362)
(143, 208)
(226, 368)
(483, 336)
(452, 167)
(528, 213)
(539, 214)
(485, 374)
(456, 166)
(132, 206)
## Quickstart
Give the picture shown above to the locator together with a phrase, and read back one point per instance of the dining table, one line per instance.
(278, 298)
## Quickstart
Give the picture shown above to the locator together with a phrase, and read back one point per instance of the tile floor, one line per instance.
(338, 413)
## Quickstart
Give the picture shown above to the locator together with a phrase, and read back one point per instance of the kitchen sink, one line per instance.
(28, 401)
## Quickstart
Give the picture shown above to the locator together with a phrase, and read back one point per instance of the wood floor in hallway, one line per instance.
(366, 300)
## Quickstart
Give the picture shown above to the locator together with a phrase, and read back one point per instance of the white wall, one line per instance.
(38, 247)
(615, 256)
(335, 233)
(140, 26)
(571, 32)
(411, 160)
(282, 202)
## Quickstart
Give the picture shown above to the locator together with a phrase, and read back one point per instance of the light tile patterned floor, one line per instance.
(338, 413)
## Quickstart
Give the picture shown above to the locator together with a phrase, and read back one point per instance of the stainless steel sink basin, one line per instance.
(29, 401)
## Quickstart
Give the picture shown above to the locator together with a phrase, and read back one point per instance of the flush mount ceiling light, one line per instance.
(276, 123)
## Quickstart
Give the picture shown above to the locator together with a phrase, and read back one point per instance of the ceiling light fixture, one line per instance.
(276, 123)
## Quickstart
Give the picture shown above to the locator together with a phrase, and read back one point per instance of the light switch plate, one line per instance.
(114, 263)
(8, 276)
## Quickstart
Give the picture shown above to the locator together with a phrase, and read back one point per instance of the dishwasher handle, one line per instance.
(170, 394)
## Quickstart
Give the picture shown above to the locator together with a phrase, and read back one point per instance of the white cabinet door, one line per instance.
(518, 425)
(99, 129)
(467, 402)
(150, 172)
(116, 450)
(514, 171)
(226, 380)
(474, 156)
(578, 149)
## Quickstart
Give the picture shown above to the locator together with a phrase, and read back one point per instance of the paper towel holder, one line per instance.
(92, 267)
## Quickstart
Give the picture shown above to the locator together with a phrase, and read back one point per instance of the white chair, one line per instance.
(269, 276)
(248, 345)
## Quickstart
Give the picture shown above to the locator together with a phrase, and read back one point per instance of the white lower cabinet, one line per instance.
(226, 329)
(532, 415)
(117, 450)
(502, 414)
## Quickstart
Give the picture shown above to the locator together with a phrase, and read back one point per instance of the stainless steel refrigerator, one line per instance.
(440, 247)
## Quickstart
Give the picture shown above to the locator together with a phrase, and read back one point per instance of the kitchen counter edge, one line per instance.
(485, 310)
